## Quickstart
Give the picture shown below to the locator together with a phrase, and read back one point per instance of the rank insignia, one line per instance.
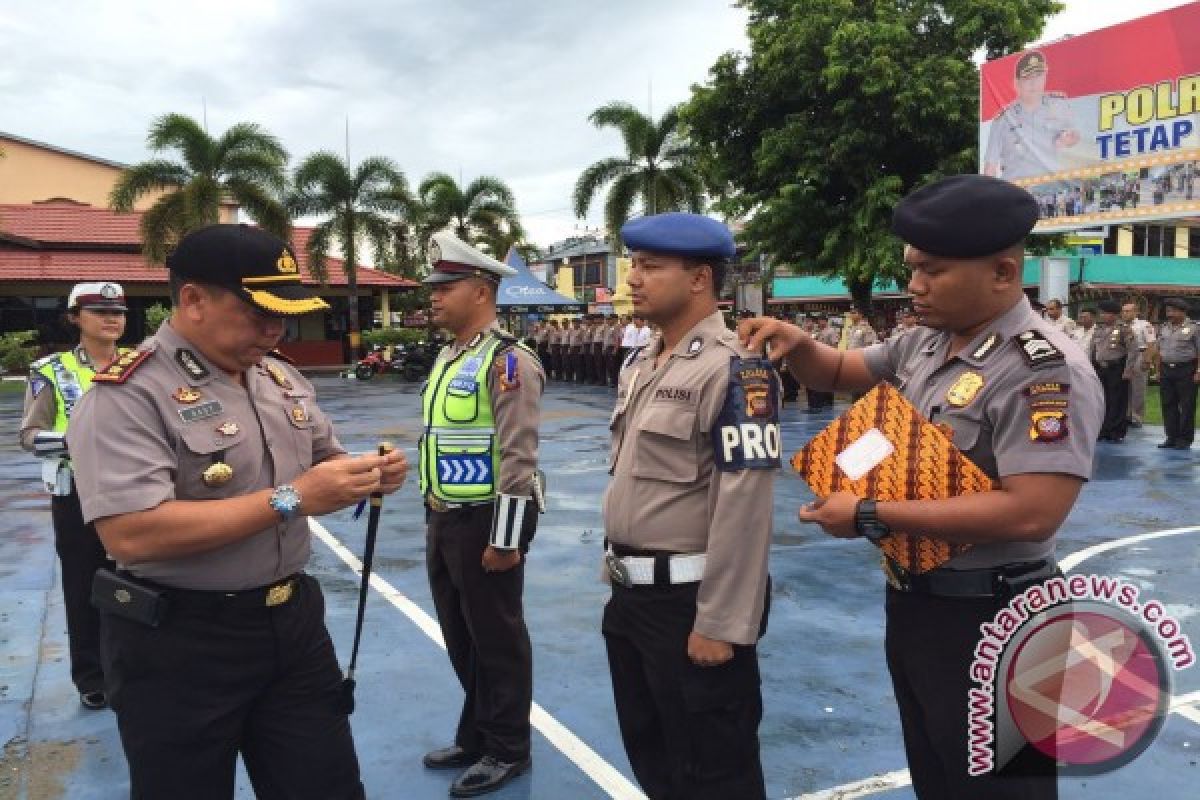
(985, 349)
(229, 428)
(1036, 389)
(507, 369)
(120, 370)
(191, 365)
(1037, 349)
(1048, 426)
(217, 474)
(964, 389)
(279, 377)
(299, 414)
(185, 395)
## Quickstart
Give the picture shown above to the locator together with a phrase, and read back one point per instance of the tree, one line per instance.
(245, 164)
(484, 210)
(839, 110)
(657, 168)
(356, 203)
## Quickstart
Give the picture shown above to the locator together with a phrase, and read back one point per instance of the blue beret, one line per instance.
(965, 216)
(680, 234)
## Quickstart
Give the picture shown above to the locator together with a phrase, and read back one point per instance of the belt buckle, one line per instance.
(897, 576)
(617, 571)
(278, 595)
(436, 503)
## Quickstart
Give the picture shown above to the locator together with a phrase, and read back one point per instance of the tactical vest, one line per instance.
(458, 450)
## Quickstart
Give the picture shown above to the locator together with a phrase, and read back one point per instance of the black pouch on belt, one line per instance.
(124, 597)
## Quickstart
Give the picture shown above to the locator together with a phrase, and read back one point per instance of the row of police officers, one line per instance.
(588, 350)
(199, 457)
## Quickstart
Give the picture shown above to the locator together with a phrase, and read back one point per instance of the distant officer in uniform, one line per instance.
(859, 333)
(478, 478)
(200, 458)
(56, 383)
(1055, 316)
(1179, 372)
(826, 334)
(687, 519)
(908, 324)
(1085, 329)
(1023, 404)
(554, 362)
(1026, 137)
(575, 343)
(1114, 354)
(1144, 335)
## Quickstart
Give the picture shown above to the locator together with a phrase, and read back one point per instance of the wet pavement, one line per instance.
(829, 719)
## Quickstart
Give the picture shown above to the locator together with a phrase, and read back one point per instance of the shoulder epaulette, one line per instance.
(43, 361)
(281, 357)
(120, 369)
(1037, 349)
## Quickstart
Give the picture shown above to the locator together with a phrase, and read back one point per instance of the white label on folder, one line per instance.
(867, 452)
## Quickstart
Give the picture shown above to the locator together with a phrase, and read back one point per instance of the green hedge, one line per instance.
(391, 336)
(16, 350)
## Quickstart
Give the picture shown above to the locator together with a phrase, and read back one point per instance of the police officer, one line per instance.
(478, 479)
(1114, 353)
(1026, 137)
(826, 334)
(200, 458)
(1146, 340)
(1178, 349)
(1023, 404)
(56, 383)
(858, 333)
(687, 516)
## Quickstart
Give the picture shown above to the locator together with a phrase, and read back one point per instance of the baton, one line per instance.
(376, 503)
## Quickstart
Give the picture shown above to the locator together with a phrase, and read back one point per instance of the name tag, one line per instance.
(674, 393)
(464, 385)
(202, 411)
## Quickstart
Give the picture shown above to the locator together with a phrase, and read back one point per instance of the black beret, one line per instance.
(1177, 302)
(1110, 306)
(965, 216)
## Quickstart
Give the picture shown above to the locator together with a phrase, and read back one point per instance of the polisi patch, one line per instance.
(676, 394)
(746, 433)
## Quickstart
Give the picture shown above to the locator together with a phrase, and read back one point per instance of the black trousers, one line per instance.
(555, 363)
(791, 387)
(80, 554)
(1116, 399)
(216, 680)
(819, 399)
(691, 733)
(483, 622)
(930, 644)
(1177, 391)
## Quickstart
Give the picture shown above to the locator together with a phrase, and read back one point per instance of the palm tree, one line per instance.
(245, 164)
(657, 168)
(484, 210)
(357, 203)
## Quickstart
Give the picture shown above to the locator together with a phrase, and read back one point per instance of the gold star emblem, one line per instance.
(185, 395)
(229, 428)
(286, 264)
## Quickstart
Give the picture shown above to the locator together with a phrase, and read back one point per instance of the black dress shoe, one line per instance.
(1167, 445)
(1181, 446)
(93, 701)
(487, 775)
(449, 757)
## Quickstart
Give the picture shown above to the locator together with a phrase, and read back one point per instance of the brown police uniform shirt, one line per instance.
(1179, 343)
(516, 410)
(666, 493)
(148, 440)
(828, 335)
(1114, 342)
(860, 336)
(1038, 406)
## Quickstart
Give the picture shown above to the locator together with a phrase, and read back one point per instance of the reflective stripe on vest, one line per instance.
(458, 451)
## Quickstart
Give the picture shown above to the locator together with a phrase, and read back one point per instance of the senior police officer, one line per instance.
(483, 493)
(1179, 372)
(1027, 136)
(1023, 404)
(200, 458)
(687, 519)
(56, 383)
(1114, 354)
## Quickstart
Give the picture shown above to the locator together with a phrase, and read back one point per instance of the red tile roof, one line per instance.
(61, 233)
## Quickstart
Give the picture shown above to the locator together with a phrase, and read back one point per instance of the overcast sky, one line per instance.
(468, 87)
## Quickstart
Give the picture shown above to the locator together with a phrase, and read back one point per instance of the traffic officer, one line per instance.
(483, 494)
(1026, 137)
(56, 383)
(1114, 353)
(687, 519)
(1023, 404)
(1178, 349)
(199, 458)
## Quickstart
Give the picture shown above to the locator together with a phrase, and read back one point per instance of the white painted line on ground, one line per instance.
(1184, 705)
(589, 762)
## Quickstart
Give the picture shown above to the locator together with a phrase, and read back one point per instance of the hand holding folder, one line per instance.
(883, 448)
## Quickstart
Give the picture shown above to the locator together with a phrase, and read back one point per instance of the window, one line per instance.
(1194, 242)
(1153, 240)
(1139, 240)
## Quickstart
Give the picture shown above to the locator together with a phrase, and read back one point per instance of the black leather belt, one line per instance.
(269, 596)
(989, 583)
(1178, 364)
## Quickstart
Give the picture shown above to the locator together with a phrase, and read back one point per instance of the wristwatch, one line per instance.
(867, 523)
(285, 500)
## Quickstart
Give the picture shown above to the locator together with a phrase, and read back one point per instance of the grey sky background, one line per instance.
(466, 87)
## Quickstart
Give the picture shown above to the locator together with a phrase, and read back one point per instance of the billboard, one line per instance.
(1102, 128)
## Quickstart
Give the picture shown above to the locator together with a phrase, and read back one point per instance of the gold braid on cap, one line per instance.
(280, 305)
